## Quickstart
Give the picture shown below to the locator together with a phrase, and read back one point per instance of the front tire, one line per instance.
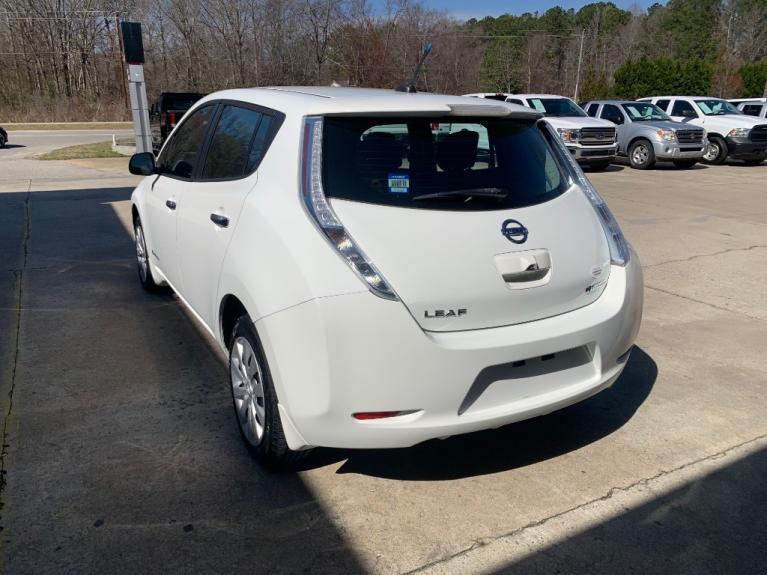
(254, 399)
(641, 155)
(142, 259)
(685, 164)
(716, 152)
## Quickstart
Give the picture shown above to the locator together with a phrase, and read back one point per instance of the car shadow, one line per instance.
(662, 165)
(512, 446)
(710, 524)
(12, 146)
(607, 170)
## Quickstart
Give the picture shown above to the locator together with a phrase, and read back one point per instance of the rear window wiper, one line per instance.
(468, 194)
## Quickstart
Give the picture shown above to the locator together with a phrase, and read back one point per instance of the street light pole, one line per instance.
(578, 72)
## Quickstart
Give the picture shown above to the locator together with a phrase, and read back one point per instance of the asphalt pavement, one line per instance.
(120, 454)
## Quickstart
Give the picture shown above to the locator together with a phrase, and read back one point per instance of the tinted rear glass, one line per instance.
(230, 145)
(181, 102)
(427, 163)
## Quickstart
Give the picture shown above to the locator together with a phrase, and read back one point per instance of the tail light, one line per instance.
(325, 218)
(172, 119)
(619, 247)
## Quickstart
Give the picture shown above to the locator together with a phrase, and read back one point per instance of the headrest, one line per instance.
(379, 153)
(457, 152)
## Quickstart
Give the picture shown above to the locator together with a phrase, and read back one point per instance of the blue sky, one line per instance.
(464, 9)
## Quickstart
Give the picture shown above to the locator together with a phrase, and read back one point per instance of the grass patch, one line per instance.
(68, 126)
(82, 151)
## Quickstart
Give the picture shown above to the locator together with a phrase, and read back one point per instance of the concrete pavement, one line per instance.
(122, 454)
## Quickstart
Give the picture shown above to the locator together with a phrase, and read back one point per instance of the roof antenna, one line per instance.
(410, 86)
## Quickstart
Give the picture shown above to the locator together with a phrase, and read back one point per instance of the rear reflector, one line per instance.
(363, 415)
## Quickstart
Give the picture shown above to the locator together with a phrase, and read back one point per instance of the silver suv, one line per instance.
(647, 134)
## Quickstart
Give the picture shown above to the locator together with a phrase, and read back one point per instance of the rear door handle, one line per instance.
(219, 220)
(171, 204)
(532, 273)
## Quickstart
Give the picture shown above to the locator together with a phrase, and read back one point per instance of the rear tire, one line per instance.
(641, 155)
(716, 152)
(142, 259)
(255, 400)
(2, 141)
(685, 164)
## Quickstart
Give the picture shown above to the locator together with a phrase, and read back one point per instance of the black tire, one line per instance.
(641, 155)
(144, 270)
(271, 449)
(685, 164)
(2, 141)
(718, 145)
(753, 162)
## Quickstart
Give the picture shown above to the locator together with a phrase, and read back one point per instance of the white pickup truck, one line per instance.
(731, 134)
(591, 141)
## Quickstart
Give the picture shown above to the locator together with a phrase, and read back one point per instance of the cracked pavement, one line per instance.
(121, 455)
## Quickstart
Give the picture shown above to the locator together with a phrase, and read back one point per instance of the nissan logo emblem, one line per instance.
(514, 231)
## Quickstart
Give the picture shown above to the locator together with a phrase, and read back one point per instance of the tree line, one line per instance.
(61, 58)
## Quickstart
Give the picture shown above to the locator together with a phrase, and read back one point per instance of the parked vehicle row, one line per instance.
(647, 134)
(385, 268)
(680, 129)
(731, 134)
(591, 141)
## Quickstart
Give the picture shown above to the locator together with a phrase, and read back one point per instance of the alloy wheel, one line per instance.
(712, 152)
(248, 390)
(640, 154)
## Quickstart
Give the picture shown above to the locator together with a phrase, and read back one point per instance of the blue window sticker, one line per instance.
(399, 183)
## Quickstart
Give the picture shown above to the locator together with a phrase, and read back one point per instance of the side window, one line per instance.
(752, 109)
(683, 108)
(230, 145)
(592, 110)
(260, 143)
(179, 157)
(611, 113)
(663, 104)
(514, 101)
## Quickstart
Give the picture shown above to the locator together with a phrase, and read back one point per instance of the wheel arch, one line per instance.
(230, 310)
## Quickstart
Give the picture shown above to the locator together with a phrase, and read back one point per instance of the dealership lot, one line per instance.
(120, 451)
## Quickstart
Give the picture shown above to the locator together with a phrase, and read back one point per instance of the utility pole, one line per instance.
(578, 72)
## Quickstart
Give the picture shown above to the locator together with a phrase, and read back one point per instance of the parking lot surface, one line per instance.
(120, 453)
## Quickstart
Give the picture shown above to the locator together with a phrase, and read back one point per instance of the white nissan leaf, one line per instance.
(385, 268)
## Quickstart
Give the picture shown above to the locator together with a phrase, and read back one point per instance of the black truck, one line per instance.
(167, 111)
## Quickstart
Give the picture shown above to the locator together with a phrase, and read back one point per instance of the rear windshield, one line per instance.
(428, 163)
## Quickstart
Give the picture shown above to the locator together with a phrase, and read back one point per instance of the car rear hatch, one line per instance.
(473, 223)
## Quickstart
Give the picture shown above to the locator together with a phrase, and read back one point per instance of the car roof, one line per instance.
(682, 97)
(328, 100)
(539, 96)
(611, 102)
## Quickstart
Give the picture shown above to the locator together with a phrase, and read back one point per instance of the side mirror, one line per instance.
(142, 164)
(689, 114)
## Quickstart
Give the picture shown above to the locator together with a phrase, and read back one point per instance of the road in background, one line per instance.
(123, 456)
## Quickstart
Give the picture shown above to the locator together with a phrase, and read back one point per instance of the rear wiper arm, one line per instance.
(492, 193)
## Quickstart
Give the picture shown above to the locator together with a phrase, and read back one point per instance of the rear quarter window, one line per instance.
(426, 163)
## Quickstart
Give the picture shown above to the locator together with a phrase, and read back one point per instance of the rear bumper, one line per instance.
(593, 154)
(335, 356)
(744, 149)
